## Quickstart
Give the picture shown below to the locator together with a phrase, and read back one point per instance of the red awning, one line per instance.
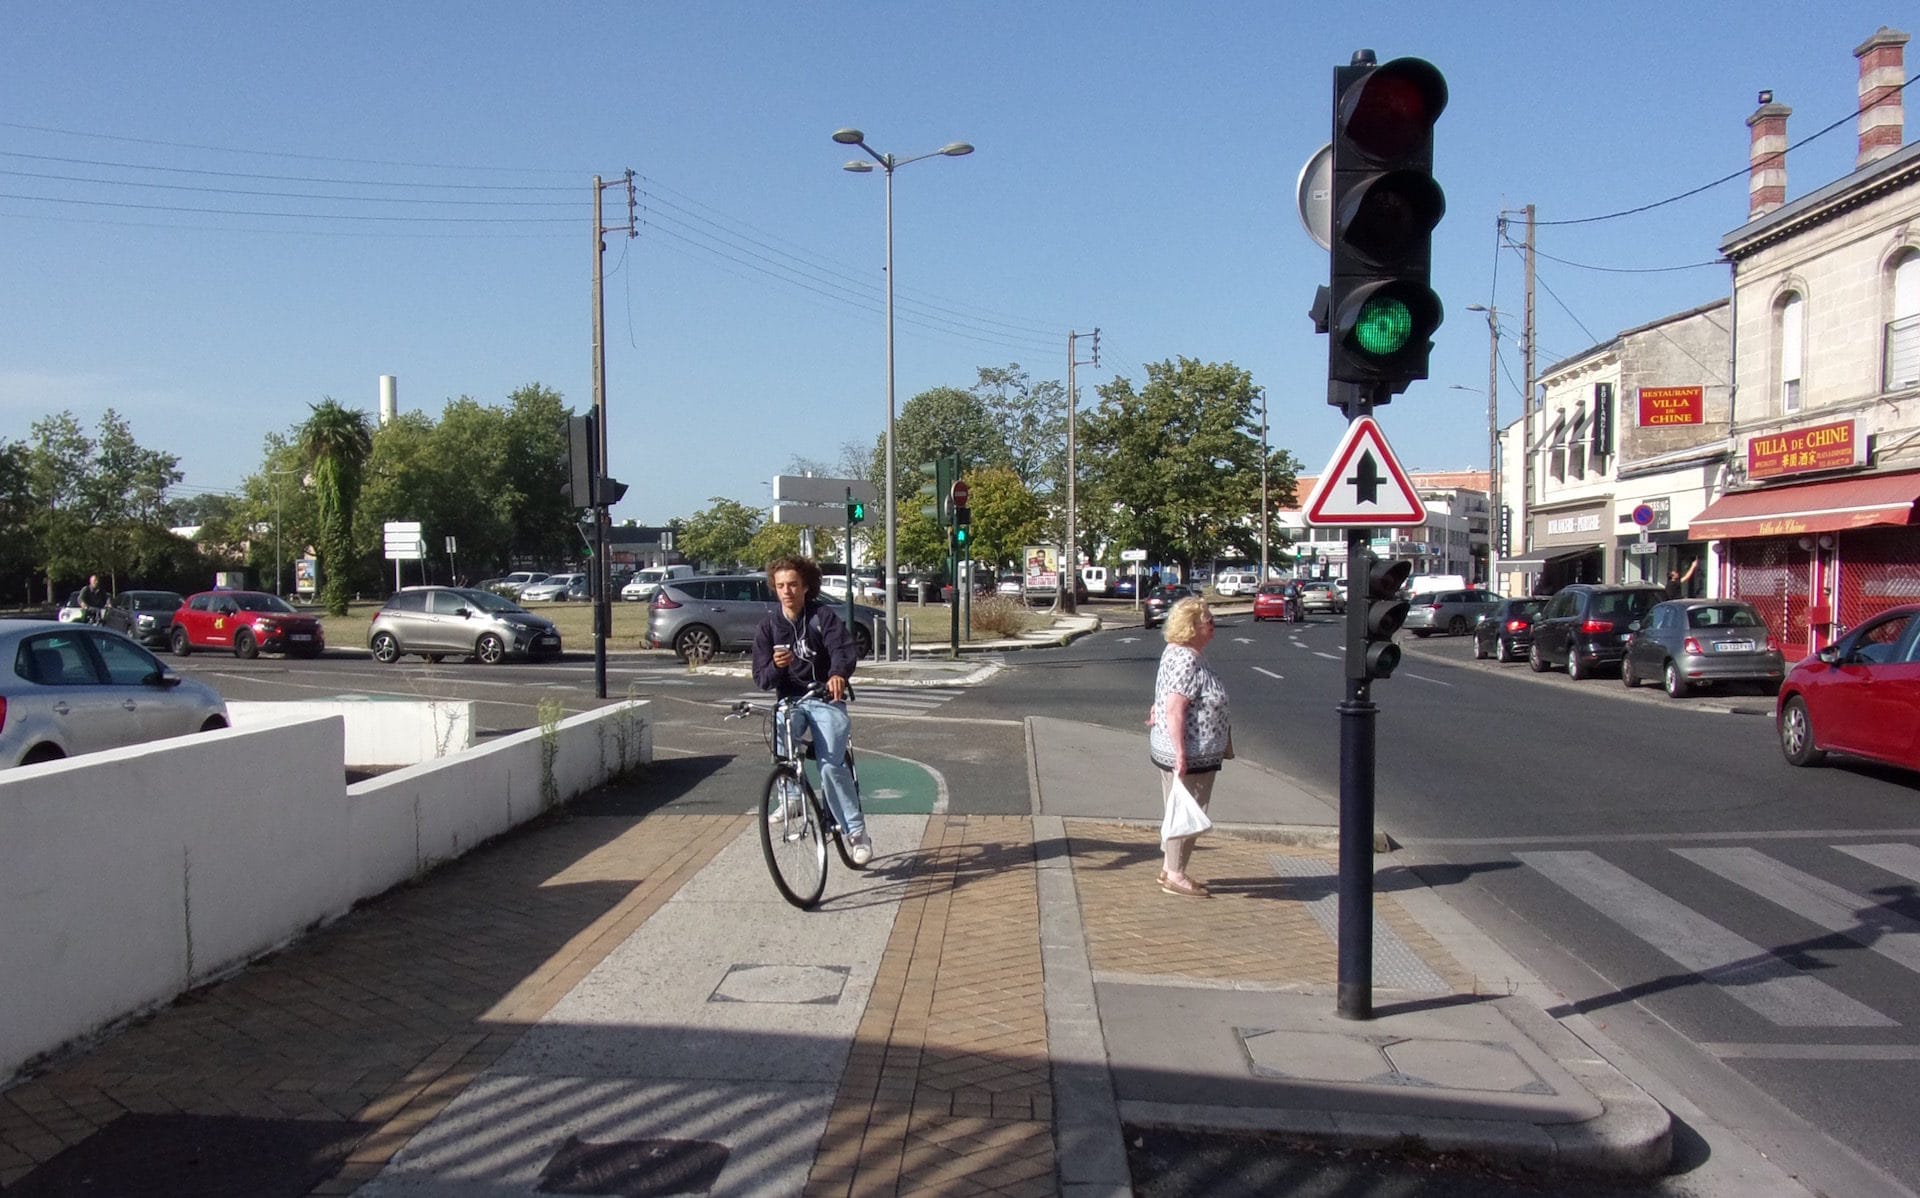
(1832, 506)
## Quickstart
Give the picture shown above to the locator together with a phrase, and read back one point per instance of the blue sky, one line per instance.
(1135, 171)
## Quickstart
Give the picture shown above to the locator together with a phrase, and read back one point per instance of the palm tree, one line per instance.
(336, 443)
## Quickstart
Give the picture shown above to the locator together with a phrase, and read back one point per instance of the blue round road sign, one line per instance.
(1643, 515)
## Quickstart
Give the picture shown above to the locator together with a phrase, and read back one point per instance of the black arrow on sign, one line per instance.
(1366, 481)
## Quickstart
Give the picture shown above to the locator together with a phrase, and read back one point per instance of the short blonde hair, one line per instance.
(1186, 618)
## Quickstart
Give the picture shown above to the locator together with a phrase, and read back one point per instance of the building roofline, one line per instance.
(1882, 173)
(1603, 346)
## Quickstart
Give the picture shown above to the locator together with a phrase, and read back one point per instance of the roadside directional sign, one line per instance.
(1364, 485)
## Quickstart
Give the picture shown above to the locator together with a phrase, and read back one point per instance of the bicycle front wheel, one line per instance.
(793, 835)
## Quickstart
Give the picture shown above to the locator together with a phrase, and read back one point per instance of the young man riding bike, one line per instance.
(802, 645)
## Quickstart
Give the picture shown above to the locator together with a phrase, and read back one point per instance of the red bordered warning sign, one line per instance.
(1364, 484)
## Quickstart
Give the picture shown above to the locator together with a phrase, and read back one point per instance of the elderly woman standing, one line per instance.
(1189, 735)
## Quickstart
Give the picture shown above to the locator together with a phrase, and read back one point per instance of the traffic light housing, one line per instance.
(1386, 611)
(1380, 310)
(940, 474)
(962, 531)
(856, 511)
(582, 448)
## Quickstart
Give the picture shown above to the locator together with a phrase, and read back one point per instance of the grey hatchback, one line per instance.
(1697, 642)
(1452, 612)
(699, 617)
(440, 622)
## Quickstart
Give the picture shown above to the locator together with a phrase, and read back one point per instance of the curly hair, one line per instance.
(1186, 618)
(804, 566)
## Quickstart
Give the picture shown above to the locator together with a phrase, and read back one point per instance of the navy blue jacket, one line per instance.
(830, 649)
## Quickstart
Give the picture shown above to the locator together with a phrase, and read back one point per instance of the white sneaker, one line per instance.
(862, 849)
(790, 810)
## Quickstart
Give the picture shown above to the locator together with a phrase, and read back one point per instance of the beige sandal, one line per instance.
(1184, 888)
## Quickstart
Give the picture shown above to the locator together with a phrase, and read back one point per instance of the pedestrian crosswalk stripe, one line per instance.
(1834, 908)
(1743, 970)
(1901, 859)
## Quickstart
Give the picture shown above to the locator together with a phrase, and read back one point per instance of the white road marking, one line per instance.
(1269, 673)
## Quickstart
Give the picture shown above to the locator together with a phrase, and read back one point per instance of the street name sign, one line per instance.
(1364, 485)
(403, 541)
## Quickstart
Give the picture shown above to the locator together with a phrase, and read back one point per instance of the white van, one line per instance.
(1096, 579)
(641, 586)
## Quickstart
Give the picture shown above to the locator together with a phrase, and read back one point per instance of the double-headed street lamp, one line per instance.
(888, 163)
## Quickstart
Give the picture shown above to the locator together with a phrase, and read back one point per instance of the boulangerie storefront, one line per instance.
(1816, 558)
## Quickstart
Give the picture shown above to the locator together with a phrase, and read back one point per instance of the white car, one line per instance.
(1235, 582)
(555, 587)
(834, 586)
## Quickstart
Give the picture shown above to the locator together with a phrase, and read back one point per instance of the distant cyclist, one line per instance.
(799, 646)
(93, 600)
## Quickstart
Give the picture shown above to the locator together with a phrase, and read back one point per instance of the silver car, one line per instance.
(699, 617)
(1687, 643)
(1452, 612)
(441, 622)
(67, 689)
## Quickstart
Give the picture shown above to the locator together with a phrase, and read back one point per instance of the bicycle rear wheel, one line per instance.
(793, 836)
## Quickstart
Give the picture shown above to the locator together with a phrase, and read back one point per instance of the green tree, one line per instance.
(940, 421)
(336, 443)
(1178, 463)
(125, 496)
(540, 519)
(720, 536)
(57, 468)
(1032, 422)
(16, 518)
(1006, 515)
(777, 540)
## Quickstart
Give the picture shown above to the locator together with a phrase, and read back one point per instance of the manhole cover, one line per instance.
(818, 984)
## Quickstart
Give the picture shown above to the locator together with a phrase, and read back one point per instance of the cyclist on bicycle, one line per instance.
(802, 645)
(93, 601)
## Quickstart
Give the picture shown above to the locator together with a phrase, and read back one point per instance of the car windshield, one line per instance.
(154, 600)
(253, 601)
(1274, 588)
(1530, 607)
(488, 601)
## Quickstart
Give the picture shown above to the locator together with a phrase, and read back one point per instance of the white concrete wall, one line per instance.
(381, 732)
(131, 875)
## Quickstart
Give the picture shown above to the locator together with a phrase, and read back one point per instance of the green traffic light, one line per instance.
(1384, 326)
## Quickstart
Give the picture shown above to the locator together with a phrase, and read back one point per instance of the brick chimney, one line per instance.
(1882, 71)
(1767, 158)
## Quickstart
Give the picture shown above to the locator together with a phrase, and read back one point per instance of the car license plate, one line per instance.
(547, 639)
(302, 636)
(1733, 647)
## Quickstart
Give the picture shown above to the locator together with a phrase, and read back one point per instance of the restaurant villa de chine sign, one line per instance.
(1662, 406)
(1796, 451)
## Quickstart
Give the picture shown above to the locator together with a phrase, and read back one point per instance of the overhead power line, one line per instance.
(1728, 178)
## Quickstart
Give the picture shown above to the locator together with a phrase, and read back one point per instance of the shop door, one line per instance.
(1776, 577)
(1878, 568)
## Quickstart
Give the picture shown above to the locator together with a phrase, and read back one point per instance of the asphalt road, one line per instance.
(1747, 928)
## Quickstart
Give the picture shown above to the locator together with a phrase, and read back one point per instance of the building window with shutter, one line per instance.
(1577, 441)
(1901, 360)
(1557, 448)
(1790, 317)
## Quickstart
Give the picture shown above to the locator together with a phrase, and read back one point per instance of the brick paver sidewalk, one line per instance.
(337, 1050)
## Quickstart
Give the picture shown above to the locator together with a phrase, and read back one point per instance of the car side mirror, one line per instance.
(162, 679)
(1830, 655)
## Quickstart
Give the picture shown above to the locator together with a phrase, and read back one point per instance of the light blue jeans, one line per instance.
(832, 730)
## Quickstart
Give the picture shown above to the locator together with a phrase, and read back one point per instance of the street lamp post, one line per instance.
(888, 163)
(1263, 489)
(1493, 440)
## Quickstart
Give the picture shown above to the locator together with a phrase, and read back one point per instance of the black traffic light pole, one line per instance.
(850, 574)
(1380, 312)
(1354, 995)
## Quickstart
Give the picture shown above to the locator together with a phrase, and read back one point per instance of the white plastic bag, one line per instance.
(1185, 817)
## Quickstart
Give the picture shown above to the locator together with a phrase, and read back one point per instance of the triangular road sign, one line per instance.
(1364, 484)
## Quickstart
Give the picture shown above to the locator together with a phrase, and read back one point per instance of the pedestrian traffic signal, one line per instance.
(939, 474)
(856, 511)
(1386, 611)
(962, 531)
(1380, 309)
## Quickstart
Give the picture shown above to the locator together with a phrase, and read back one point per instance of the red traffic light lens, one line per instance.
(1392, 110)
(1392, 214)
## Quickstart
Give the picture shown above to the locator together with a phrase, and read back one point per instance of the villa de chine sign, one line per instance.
(1795, 451)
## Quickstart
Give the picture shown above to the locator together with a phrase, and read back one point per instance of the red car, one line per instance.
(1276, 601)
(245, 622)
(1859, 696)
